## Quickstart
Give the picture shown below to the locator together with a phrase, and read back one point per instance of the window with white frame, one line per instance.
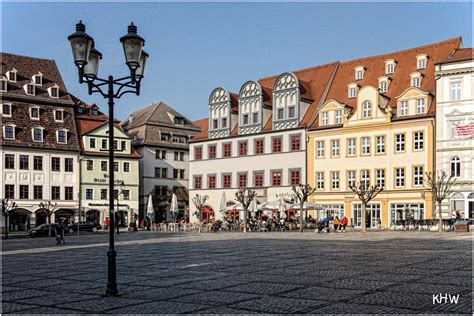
(54, 92)
(403, 108)
(61, 137)
(324, 118)
(455, 167)
(38, 79)
(420, 106)
(351, 147)
(12, 75)
(400, 142)
(291, 112)
(320, 180)
(365, 177)
(335, 180)
(6, 110)
(383, 86)
(35, 113)
(455, 90)
(418, 175)
(390, 68)
(338, 116)
(365, 145)
(421, 63)
(359, 73)
(380, 178)
(335, 148)
(380, 144)
(37, 134)
(9, 131)
(366, 109)
(30, 89)
(351, 178)
(58, 115)
(399, 177)
(418, 142)
(320, 149)
(352, 92)
(3, 86)
(416, 81)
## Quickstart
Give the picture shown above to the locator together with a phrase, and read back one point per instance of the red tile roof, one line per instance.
(459, 54)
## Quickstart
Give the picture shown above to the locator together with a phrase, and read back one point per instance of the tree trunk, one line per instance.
(245, 219)
(49, 222)
(199, 220)
(440, 225)
(363, 218)
(301, 217)
(6, 227)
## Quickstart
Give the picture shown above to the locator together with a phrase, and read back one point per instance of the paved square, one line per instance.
(235, 273)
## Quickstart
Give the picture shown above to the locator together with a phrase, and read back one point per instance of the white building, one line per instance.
(256, 139)
(455, 128)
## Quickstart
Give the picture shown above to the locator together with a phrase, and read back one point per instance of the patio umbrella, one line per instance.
(150, 211)
(307, 206)
(282, 208)
(222, 206)
(174, 207)
(271, 205)
(253, 207)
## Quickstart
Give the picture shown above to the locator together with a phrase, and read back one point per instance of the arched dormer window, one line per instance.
(11, 75)
(54, 91)
(421, 61)
(38, 79)
(366, 109)
(37, 134)
(455, 167)
(61, 136)
(219, 113)
(250, 107)
(359, 72)
(286, 96)
(416, 78)
(390, 66)
(383, 84)
(9, 131)
(352, 89)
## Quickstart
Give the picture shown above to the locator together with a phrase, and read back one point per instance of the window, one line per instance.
(54, 92)
(276, 178)
(3, 85)
(365, 177)
(161, 172)
(352, 92)
(176, 156)
(320, 149)
(123, 145)
(351, 178)
(30, 89)
(197, 182)
(243, 148)
(181, 156)
(160, 154)
(420, 106)
(9, 132)
(175, 173)
(380, 144)
(94, 111)
(399, 143)
(103, 166)
(211, 182)
(116, 144)
(455, 88)
(179, 139)
(62, 137)
(38, 134)
(224, 122)
(243, 180)
(367, 110)
(58, 115)
(35, 113)
(12, 75)
(415, 81)
(418, 140)
(9, 191)
(320, 180)
(181, 173)
(226, 181)
(116, 166)
(215, 123)
(89, 194)
(258, 179)
(399, 177)
(335, 180)
(335, 148)
(421, 63)
(68, 164)
(380, 178)
(165, 137)
(212, 151)
(455, 167)
(55, 164)
(359, 75)
(390, 69)
(179, 120)
(245, 119)
(276, 144)
(403, 108)
(418, 175)
(103, 194)
(6, 110)
(383, 86)
(37, 192)
(9, 161)
(104, 144)
(126, 195)
(197, 153)
(365, 145)
(126, 167)
(295, 178)
(55, 193)
(68, 193)
(255, 117)
(324, 118)
(90, 165)
(258, 146)
(24, 162)
(37, 163)
(24, 192)
(227, 150)
(291, 112)
(351, 147)
(338, 117)
(38, 79)
(279, 114)
(92, 143)
(295, 142)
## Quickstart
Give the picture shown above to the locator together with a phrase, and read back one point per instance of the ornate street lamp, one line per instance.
(87, 57)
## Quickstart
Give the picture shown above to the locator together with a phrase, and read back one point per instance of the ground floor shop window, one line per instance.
(330, 209)
(470, 201)
(373, 215)
(457, 203)
(406, 211)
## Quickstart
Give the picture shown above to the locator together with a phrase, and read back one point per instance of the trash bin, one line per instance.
(461, 225)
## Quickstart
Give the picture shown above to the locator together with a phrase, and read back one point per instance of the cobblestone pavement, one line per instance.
(230, 273)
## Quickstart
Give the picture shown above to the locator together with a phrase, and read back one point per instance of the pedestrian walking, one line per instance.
(60, 233)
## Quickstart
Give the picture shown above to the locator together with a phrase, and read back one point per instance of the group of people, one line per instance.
(339, 224)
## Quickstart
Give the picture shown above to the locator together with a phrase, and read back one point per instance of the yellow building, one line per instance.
(376, 125)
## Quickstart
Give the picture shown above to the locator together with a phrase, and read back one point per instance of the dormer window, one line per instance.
(421, 61)
(12, 75)
(37, 134)
(35, 113)
(38, 79)
(352, 90)
(29, 89)
(366, 110)
(94, 111)
(383, 84)
(324, 118)
(54, 91)
(80, 109)
(389, 66)
(420, 106)
(58, 115)
(179, 120)
(61, 136)
(359, 72)
(3, 86)
(338, 117)
(6, 110)
(9, 132)
(403, 108)
(415, 79)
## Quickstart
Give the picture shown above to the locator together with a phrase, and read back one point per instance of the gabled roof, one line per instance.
(459, 54)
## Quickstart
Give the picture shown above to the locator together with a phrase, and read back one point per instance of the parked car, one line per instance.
(84, 226)
(43, 231)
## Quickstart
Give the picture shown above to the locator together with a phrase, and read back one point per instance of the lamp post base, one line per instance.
(112, 289)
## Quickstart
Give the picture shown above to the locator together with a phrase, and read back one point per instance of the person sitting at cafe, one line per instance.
(337, 224)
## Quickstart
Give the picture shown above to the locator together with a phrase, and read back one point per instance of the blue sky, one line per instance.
(195, 47)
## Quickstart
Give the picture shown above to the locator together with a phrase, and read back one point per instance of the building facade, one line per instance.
(455, 128)
(160, 135)
(256, 139)
(39, 146)
(94, 165)
(376, 126)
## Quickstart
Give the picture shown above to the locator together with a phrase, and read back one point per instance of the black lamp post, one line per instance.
(87, 58)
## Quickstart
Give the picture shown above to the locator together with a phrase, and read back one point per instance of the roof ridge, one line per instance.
(24, 56)
(301, 70)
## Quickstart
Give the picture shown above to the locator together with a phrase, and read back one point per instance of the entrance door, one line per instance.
(374, 216)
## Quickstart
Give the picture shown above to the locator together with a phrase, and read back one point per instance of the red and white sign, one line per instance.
(465, 130)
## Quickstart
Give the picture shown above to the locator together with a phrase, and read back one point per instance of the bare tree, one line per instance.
(8, 207)
(245, 197)
(302, 192)
(439, 184)
(365, 194)
(199, 200)
(48, 208)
